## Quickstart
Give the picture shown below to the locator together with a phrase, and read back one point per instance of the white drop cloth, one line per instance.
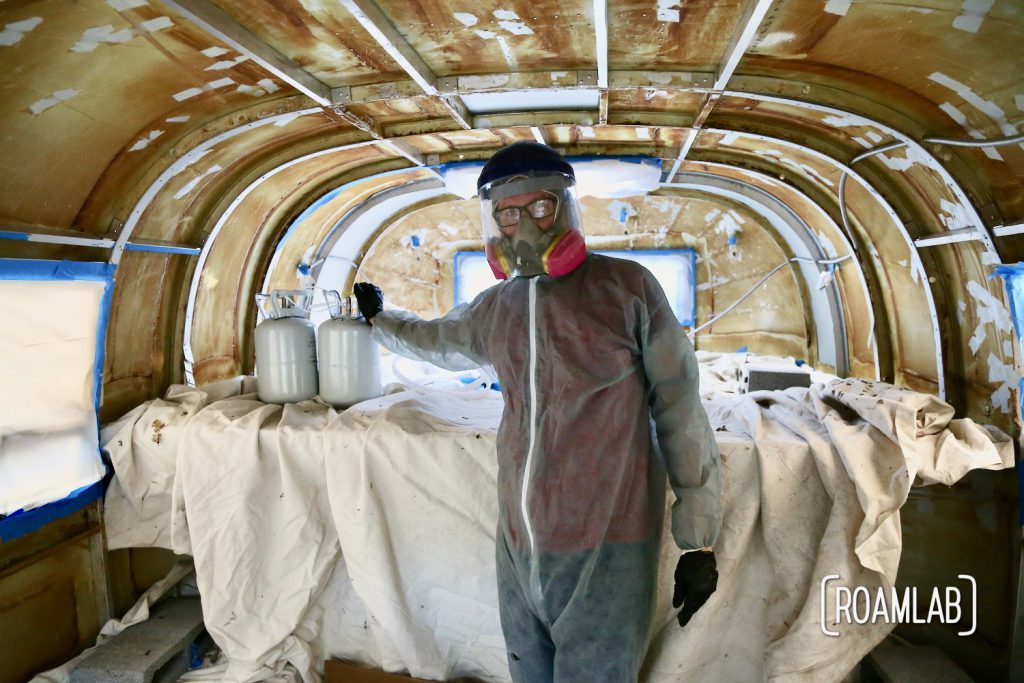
(368, 535)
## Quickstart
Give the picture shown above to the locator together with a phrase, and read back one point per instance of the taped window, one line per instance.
(54, 315)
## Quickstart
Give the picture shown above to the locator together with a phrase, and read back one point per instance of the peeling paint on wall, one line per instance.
(973, 14)
(774, 39)
(17, 30)
(903, 158)
(262, 87)
(804, 168)
(212, 85)
(122, 5)
(840, 7)
(94, 37)
(987, 107)
(511, 22)
(144, 141)
(53, 100)
(990, 311)
(954, 216)
(191, 185)
(227, 63)
(1003, 374)
(466, 19)
(846, 120)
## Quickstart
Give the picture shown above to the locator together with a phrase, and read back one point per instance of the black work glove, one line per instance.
(696, 579)
(369, 298)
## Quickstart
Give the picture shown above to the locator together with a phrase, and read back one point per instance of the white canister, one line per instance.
(286, 348)
(349, 357)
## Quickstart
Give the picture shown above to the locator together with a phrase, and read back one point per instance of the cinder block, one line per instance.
(155, 651)
(771, 380)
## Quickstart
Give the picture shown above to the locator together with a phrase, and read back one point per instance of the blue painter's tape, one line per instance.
(742, 349)
(415, 240)
(1013, 276)
(32, 269)
(26, 521)
(162, 249)
(11, 235)
(732, 240)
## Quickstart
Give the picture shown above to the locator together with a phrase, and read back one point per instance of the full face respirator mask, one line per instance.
(532, 225)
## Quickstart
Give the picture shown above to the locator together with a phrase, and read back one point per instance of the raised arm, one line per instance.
(451, 342)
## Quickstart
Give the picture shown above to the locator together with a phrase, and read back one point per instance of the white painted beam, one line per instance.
(601, 41)
(370, 16)
(1006, 230)
(741, 41)
(959, 235)
(217, 23)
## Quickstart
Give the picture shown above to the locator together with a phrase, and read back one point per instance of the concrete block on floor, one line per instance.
(155, 651)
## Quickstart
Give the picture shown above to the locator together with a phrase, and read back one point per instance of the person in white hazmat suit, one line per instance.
(588, 352)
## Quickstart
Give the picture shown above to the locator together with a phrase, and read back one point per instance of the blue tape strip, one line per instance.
(1013, 276)
(26, 521)
(103, 321)
(161, 249)
(32, 269)
(11, 235)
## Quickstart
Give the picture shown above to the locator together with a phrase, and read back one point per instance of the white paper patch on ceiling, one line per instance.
(607, 178)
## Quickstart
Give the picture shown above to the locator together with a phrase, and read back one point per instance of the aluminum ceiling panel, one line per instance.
(460, 37)
(967, 62)
(83, 82)
(321, 38)
(692, 35)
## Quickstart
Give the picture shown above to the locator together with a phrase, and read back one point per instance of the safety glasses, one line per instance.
(539, 208)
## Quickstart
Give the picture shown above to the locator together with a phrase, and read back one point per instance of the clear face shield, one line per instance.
(532, 225)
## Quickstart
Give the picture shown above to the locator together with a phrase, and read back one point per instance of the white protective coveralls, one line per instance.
(585, 362)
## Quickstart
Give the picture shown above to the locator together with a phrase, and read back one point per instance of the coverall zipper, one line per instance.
(533, 410)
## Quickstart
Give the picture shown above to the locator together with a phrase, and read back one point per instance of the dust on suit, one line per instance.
(585, 362)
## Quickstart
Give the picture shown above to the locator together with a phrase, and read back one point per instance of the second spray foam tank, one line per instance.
(349, 358)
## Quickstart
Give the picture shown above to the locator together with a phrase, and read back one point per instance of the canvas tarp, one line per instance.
(368, 535)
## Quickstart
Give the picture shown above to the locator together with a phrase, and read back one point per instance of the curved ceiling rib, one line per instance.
(248, 190)
(827, 308)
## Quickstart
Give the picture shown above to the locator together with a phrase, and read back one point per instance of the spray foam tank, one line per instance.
(349, 358)
(286, 347)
